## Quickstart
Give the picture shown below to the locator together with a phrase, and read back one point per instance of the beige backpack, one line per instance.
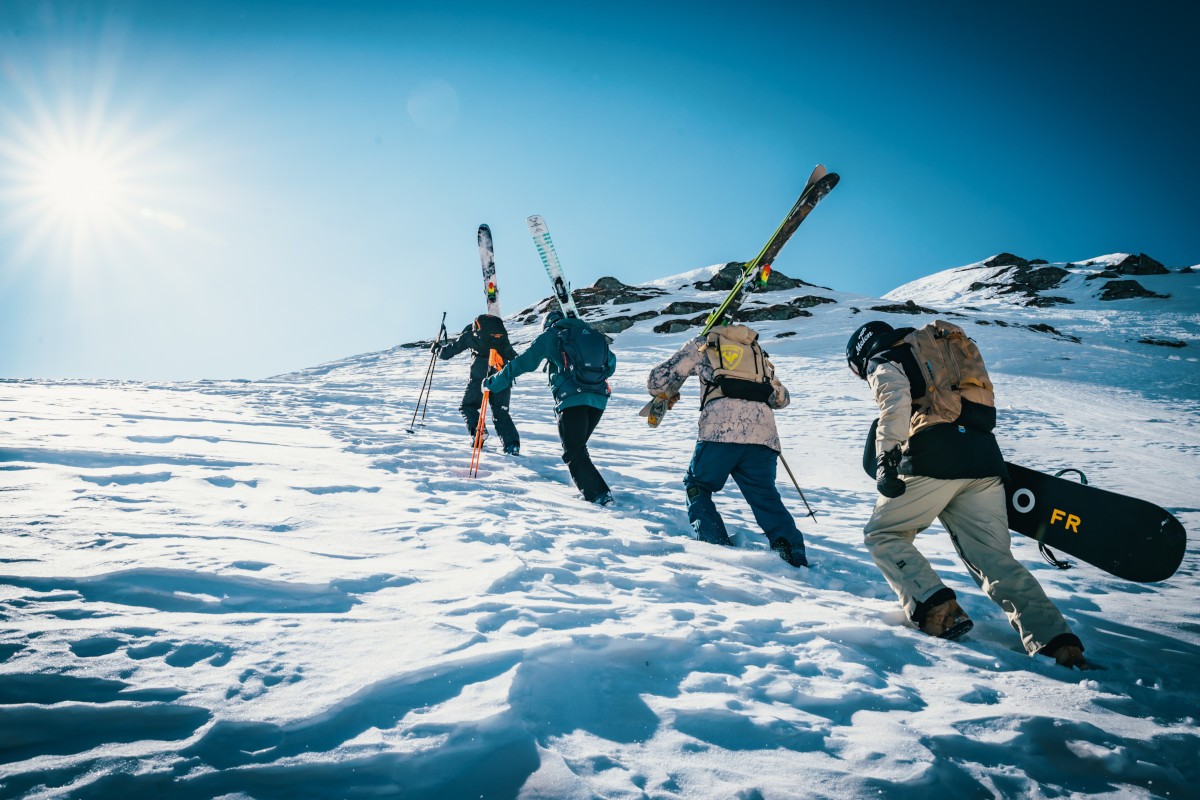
(953, 370)
(740, 367)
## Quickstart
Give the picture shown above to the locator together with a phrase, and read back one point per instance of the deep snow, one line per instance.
(269, 589)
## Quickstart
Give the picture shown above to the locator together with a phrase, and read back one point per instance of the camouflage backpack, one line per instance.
(954, 373)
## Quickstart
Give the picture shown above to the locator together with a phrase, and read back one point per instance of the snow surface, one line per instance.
(269, 589)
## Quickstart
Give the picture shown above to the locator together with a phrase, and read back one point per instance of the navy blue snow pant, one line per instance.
(753, 469)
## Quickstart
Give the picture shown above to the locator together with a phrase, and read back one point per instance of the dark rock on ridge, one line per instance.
(1127, 290)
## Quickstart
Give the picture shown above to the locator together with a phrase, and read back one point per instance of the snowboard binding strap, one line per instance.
(1046, 552)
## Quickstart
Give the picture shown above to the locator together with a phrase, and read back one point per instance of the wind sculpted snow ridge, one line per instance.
(269, 589)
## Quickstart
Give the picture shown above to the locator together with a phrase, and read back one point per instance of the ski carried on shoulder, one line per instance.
(754, 273)
(545, 248)
(488, 258)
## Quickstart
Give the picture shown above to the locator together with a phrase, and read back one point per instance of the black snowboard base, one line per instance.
(1124, 536)
(1130, 538)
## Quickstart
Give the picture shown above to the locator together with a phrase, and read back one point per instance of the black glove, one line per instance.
(887, 479)
(436, 347)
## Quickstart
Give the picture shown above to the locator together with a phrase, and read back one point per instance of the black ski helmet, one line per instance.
(865, 342)
(552, 316)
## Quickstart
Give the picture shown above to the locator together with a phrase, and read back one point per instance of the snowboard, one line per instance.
(754, 273)
(1124, 536)
(1127, 537)
(488, 258)
(545, 248)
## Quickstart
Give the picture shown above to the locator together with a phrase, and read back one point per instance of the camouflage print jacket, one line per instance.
(725, 419)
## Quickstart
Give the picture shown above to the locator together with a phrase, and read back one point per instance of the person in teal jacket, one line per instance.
(579, 363)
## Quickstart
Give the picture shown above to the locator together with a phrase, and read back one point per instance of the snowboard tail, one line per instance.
(1125, 536)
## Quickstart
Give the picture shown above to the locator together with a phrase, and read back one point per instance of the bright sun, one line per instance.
(79, 184)
(71, 192)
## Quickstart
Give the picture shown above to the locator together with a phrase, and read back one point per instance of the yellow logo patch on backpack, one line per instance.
(953, 369)
(731, 354)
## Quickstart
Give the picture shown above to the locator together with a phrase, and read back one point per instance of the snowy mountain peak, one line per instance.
(1007, 279)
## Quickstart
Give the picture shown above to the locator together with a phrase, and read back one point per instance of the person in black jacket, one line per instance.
(481, 337)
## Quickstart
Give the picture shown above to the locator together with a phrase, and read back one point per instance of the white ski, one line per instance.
(545, 248)
(488, 258)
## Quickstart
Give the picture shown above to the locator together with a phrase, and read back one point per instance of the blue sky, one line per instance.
(266, 186)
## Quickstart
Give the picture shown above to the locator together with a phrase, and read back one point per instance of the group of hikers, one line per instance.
(932, 450)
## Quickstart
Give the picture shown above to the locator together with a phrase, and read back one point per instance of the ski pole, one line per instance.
(495, 362)
(427, 384)
(441, 338)
(477, 448)
(811, 513)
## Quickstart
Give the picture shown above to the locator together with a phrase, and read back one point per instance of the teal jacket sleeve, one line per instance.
(531, 359)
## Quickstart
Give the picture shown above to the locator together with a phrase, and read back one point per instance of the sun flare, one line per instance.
(80, 187)
(72, 191)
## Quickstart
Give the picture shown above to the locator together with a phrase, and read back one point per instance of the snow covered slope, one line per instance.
(268, 589)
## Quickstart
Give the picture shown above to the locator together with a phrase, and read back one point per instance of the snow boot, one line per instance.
(946, 621)
(605, 499)
(1071, 657)
(513, 449)
(789, 554)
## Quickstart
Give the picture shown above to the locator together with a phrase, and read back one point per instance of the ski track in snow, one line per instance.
(270, 589)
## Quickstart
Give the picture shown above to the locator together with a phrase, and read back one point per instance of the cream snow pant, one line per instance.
(972, 510)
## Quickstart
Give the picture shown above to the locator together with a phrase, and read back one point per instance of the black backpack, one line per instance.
(490, 332)
(583, 352)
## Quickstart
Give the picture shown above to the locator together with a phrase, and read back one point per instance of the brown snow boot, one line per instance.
(1070, 656)
(946, 621)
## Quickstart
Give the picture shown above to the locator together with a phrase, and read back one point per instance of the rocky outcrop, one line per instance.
(606, 291)
(727, 276)
(1040, 327)
(686, 307)
(1006, 260)
(609, 290)
(907, 307)
(764, 313)
(1046, 302)
(1162, 342)
(1018, 276)
(680, 325)
(1140, 264)
(1127, 290)
(618, 324)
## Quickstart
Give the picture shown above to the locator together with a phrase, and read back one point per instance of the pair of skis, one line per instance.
(754, 274)
(558, 282)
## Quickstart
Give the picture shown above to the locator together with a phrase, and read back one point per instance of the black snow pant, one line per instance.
(575, 426)
(498, 403)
